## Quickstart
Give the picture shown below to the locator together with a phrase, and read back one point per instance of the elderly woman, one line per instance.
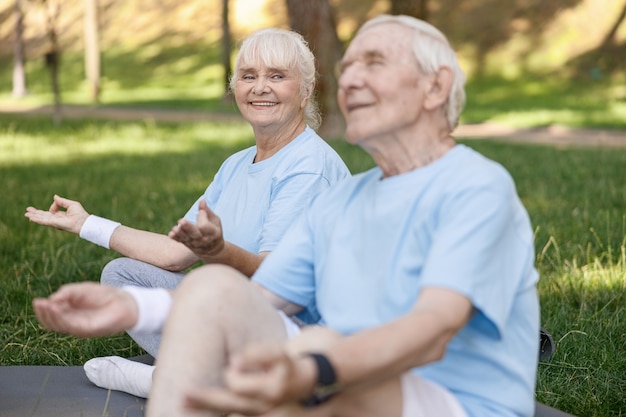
(244, 212)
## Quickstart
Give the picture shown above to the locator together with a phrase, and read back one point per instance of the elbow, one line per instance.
(178, 261)
(439, 353)
(440, 346)
(175, 265)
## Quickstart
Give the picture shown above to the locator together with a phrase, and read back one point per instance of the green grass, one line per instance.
(189, 76)
(155, 75)
(146, 174)
(533, 101)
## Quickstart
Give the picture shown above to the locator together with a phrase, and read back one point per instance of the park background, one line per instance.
(531, 64)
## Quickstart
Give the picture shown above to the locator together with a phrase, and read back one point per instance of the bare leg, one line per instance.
(216, 312)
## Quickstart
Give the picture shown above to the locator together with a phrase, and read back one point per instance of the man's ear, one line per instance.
(439, 88)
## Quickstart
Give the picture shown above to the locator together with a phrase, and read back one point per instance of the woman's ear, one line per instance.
(439, 88)
(308, 92)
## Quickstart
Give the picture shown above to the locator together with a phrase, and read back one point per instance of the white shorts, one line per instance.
(291, 327)
(422, 398)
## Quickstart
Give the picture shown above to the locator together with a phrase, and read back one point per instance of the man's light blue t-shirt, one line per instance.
(366, 248)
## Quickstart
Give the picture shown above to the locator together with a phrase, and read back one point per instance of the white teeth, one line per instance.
(266, 104)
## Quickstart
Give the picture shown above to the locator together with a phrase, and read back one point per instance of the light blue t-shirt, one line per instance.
(257, 202)
(366, 248)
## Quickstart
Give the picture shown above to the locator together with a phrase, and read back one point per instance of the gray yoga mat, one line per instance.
(65, 391)
(60, 391)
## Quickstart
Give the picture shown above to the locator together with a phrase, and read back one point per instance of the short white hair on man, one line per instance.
(432, 51)
(281, 48)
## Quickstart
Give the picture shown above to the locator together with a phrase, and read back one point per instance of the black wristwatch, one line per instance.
(326, 386)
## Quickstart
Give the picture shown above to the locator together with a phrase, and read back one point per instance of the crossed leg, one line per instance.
(216, 312)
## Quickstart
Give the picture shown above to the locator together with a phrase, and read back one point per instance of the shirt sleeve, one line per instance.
(211, 195)
(474, 250)
(289, 270)
(289, 198)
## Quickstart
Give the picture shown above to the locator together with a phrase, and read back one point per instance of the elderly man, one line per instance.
(421, 270)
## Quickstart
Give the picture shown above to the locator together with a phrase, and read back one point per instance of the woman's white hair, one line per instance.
(432, 51)
(280, 48)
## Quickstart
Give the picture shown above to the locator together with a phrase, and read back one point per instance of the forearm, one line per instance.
(232, 255)
(415, 339)
(152, 248)
(379, 353)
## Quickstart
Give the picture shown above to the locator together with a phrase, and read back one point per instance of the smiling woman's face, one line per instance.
(269, 97)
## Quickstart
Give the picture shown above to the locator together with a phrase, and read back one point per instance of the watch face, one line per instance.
(324, 391)
(321, 394)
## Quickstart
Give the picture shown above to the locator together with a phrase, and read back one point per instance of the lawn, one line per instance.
(146, 174)
(189, 77)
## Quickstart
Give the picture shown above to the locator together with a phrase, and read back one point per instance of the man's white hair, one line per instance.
(432, 51)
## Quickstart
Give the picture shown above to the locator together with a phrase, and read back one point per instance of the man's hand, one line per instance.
(264, 379)
(63, 214)
(205, 238)
(87, 309)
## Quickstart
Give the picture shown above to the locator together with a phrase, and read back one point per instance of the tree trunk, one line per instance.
(53, 57)
(415, 8)
(92, 49)
(314, 19)
(609, 39)
(19, 72)
(226, 49)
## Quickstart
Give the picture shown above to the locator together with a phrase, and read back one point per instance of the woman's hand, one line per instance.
(205, 238)
(63, 214)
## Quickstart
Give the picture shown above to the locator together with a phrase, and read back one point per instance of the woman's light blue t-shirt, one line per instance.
(257, 202)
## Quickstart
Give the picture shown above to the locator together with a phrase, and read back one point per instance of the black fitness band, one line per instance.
(326, 385)
(325, 371)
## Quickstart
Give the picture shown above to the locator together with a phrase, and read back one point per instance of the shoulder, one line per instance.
(239, 158)
(344, 192)
(309, 153)
(470, 169)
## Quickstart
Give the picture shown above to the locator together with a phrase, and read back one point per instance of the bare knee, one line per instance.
(219, 292)
(213, 281)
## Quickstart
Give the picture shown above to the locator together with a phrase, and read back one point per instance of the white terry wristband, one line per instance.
(98, 230)
(153, 306)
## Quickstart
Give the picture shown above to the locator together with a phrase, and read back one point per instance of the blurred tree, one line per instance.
(53, 55)
(92, 48)
(226, 48)
(610, 38)
(485, 25)
(606, 58)
(315, 20)
(415, 8)
(19, 73)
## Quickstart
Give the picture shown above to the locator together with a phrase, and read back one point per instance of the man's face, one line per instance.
(381, 90)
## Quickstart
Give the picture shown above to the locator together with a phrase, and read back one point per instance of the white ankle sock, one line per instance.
(119, 374)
